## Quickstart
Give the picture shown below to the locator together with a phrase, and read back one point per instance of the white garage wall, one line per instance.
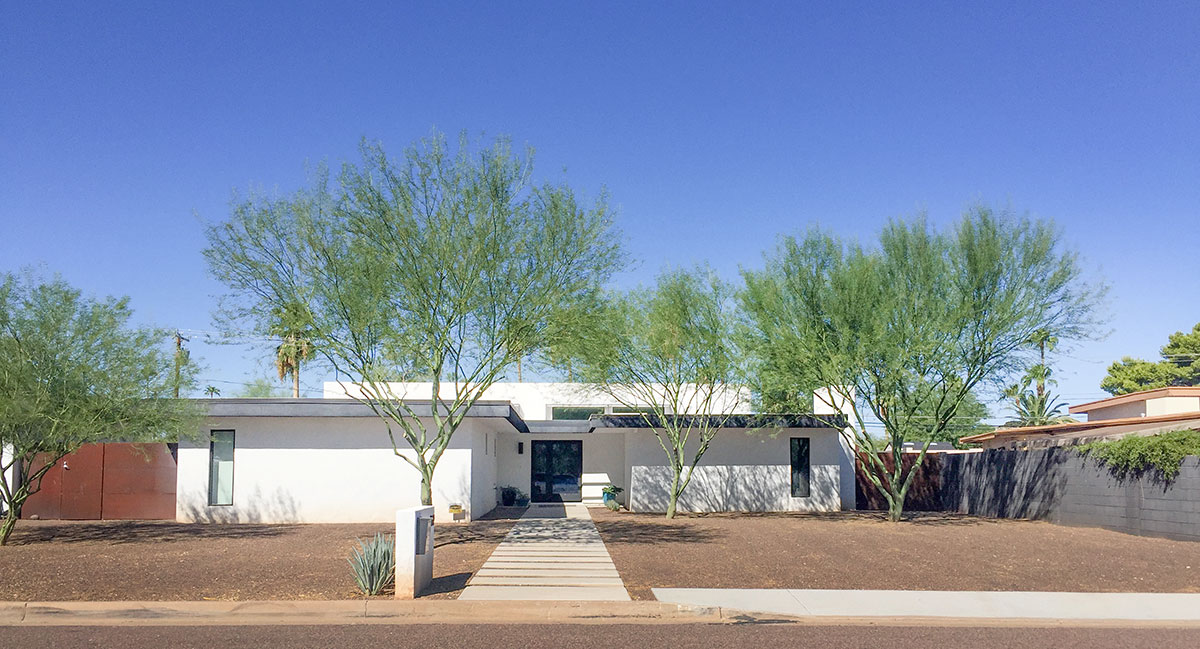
(323, 470)
(603, 461)
(741, 472)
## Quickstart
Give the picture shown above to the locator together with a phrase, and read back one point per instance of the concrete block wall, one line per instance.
(1062, 486)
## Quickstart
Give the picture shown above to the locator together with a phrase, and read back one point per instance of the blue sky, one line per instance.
(715, 127)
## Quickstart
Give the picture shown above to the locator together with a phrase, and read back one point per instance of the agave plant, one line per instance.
(374, 564)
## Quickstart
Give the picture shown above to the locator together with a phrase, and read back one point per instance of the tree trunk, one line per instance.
(427, 487)
(10, 522)
(674, 497)
(296, 381)
(895, 509)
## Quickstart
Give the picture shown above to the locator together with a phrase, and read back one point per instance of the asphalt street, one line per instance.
(560, 636)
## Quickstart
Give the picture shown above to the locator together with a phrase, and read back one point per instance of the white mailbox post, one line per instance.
(414, 551)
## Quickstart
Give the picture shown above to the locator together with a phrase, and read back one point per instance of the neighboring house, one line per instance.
(1139, 413)
(934, 447)
(330, 459)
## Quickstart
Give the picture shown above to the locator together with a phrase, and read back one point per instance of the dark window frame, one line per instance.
(212, 444)
(597, 410)
(800, 449)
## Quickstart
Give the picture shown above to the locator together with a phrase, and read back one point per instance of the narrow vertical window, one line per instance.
(220, 468)
(801, 469)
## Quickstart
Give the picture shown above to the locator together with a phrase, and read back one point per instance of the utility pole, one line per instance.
(180, 358)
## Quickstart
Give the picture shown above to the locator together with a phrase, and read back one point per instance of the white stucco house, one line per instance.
(330, 459)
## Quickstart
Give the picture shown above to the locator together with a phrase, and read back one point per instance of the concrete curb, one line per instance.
(453, 612)
(348, 612)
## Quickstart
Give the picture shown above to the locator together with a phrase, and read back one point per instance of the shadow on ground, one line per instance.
(446, 584)
(120, 532)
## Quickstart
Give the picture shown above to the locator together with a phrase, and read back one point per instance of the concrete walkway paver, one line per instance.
(943, 604)
(553, 553)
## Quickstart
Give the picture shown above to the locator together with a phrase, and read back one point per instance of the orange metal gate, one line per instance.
(108, 481)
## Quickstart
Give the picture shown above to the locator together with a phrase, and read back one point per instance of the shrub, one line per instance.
(1134, 454)
(374, 564)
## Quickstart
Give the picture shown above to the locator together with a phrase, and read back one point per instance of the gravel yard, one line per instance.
(144, 560)
(860, 550)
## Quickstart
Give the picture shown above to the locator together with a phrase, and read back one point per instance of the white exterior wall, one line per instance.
(6, 454)
(741, 472)
(324, 470)
(603, 461)
(1171, 405)
(1120, 411)
(483, 471)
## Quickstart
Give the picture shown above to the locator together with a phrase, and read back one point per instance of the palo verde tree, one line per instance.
(904, 332)
(668, 354)
(73, 371)
(446, 265)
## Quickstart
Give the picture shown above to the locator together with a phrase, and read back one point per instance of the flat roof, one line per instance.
(1134, 397)
(348, 407)
(730, 421)
(1077, 427)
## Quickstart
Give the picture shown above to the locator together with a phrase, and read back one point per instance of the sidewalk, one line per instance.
(685, 606)
(374, 611)
(1132, 607)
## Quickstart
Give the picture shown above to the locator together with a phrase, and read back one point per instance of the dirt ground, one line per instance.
(851, 550)
(152, 560)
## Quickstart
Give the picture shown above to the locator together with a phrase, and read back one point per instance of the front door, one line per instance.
(557, 471)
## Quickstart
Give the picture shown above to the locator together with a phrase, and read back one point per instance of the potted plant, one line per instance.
(508, 496)
(610, 497)
(522, 499)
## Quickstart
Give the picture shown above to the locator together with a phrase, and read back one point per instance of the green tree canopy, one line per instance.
(1180, 365)
(444, 265)
(260, 388)
(74, 371)
(968, 419)
(907, 330)
(667, 352)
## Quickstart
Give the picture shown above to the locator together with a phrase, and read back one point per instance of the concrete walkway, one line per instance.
(1139, 607)
(553, 553)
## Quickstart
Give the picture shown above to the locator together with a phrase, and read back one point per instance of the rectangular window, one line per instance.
(220, 468)
(801, 468)
(626, 410)
(575, 412)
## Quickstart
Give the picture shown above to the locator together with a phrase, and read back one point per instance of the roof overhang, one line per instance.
(338, 407)
(1078, 427)
(1134, 397)
(346, 408)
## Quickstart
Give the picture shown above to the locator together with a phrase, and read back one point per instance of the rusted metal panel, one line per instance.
(108, 481)
(139, 482)
(45, 502)
(82, 483)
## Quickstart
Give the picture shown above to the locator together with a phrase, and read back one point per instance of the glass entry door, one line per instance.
(557, 471)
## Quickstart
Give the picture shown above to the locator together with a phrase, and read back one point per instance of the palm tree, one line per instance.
(212, 391)
(1034, 409)
(1037, 407)
(291, 352)
(295, 342)
(1045, 342)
